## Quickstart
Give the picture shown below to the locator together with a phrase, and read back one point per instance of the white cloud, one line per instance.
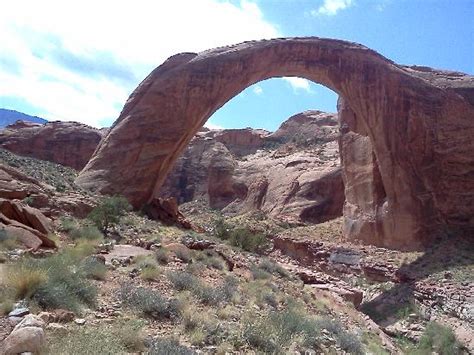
(332, 7)
(299, 84)
(212, 125)
(258, 90)
(80, 60)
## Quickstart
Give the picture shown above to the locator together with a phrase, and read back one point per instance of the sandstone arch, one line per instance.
(408, 161)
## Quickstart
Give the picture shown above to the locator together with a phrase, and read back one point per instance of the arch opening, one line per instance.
(405, 118)
(276, 154)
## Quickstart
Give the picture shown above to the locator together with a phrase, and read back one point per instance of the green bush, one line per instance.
(67, 224)
(166, 346)
(66, 287)
(247, 240)
(108, 213)
(87, 232)
(150, 303)
(438, 339)
(240, 236)
(53, 282)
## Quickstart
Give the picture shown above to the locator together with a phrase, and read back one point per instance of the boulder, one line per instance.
(26, 224)
(166, 210)
(27, 336)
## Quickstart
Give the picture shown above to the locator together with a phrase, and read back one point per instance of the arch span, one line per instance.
(407, 153)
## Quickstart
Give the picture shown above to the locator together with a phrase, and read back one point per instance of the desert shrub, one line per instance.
(347, 341)
(183, 255)
(248, 240)
(87, 232)
(108, 213)
(6, 303)
(149, 272)
(276, 331)
(25, 279)
(6, 241)
(167, 346)
(272, 268)
(93, 268)
(129, 334)
(210, 258)
(67, 224)
(438, 339)
(53, 282)
(208, 295)
(230, 287)
(182, 280)
(258, 273)
(270, 299)
(148, 302)
(162, 256)
(222, 229)
(86, 341)
(67, 286)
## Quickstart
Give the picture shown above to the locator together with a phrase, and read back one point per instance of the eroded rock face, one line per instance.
(298, 181)
(26, 224)
(420, 129)
(65, 143)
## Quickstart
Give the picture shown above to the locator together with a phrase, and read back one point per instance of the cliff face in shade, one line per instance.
(65, 143)
(420, 129)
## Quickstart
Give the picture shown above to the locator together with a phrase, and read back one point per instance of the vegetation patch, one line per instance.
(149, 303)
(59, 281)
(276, 331)
(167, 346)
(242, 237)
(122, 337)
(108, 213)
(438, 339)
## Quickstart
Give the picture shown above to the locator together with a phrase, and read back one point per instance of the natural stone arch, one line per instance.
(412, 130)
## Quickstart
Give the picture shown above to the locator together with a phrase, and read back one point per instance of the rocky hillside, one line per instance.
(243, 284)
(66, 143)
(292, 174)
(8, 117)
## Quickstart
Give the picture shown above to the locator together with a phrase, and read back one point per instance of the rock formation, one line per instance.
(419, 123)
(297, 181)
(66, 143)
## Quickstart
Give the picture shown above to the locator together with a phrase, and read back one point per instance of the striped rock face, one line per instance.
(407, 149)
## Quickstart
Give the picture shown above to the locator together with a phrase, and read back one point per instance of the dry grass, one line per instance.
(25, 280)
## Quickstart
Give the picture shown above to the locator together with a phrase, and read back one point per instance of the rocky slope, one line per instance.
(297, 289)
(292, 174)
(67, 143)
(31, 193)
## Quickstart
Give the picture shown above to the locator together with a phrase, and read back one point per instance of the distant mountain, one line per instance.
(11, 116)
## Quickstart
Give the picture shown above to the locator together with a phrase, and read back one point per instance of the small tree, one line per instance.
(108, 213)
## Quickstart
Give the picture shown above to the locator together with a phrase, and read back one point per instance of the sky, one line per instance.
(80, 60)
